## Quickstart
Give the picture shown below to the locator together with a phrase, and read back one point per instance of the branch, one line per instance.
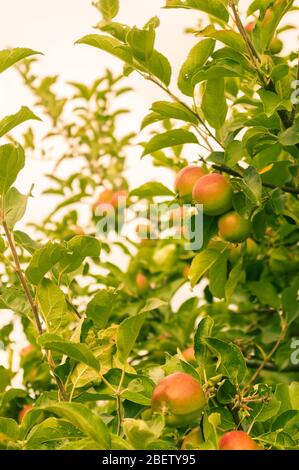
(229, 171)
(32, 303)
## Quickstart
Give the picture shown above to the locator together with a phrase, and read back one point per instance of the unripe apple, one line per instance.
(250, 26)
(237, 440)
(181, 397)
(27, 350)
(186, 179)
(251, 251)
(234, 228)
(193, 440)
(23, 412)
(142, 283)
(189, 355)
(276, 45)
(119, 199)
(214, 192)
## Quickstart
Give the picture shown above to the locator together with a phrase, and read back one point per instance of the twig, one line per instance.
(32, 303)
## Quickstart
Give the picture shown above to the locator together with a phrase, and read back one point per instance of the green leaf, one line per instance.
(43, 260)
(265, 292)
(9, 429)
(169, 139)
(108, 44)
(12, 160)
(197, 57)
(250, 185)
(233, 153)
(204, 330)
(214, 104)
(228, 37)
(142, 43)
(218, 276)
(270, 22)
(9, 57)
(77, 351)
(79, 248)
(170, 110)
(141, 433)
(215, 8)
(289, 300)
(203, 262)
(290, 136)
(264, 411)
(159, 66)
(51, 433)
(9, 122)
(271, 102)
(15, 205)
(101, 307)
(84, 419)
(230, 359)
(24, 240)
(235, 276)
(127, 334)
(151, 189)
(108, 8)
(53, 306)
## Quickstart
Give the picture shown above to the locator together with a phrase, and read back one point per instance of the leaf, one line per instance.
(264, 411)
(203, 262)
(215, 8)
(53, 306)
(227, 37)
(289, 300)
(233, 153)
(84, 419)
(79, 248)
(51, 433)
(265, 292)
(230, 359)
(197, 57)
(291, 135)
(9, 57)
(9, 430)
(142, 43)
(235, 276)
(174, 111)
(204, 330)
(159, 66)
(108, 44)
(270, 22)
(127, 334)
(218, 276)
(24, 240)
(101, 306)
(250, 185)
(108, 8)
(15, 205)
(152, 304)
(141, 433)
(214, 104)
(151, 189)
(77, 351)
(9, 122)
(169, 139)
(12, 160)
(43, 260)
(271, 102)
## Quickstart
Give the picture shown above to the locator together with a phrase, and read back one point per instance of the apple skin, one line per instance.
(186, 179)
(237, 440)
(250, 26)
(214, 192)
(193, 439)
(142, 283)
(233, 228)
(23, 412)
(27, 350)
(251, 251)
(189, 355)
(276, 45)
(181, 397)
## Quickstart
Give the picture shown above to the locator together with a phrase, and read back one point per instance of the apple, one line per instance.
(276, 45)
(27, 350)
(189, 355)
(181, 397)
(214, 192)
(186, 179)
(24, 412)
(251, 251)
(237, 440)
(234, 228)
(142, 283)
(249, 27)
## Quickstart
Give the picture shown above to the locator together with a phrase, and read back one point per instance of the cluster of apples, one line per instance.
(214, 192)
(181, 398)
